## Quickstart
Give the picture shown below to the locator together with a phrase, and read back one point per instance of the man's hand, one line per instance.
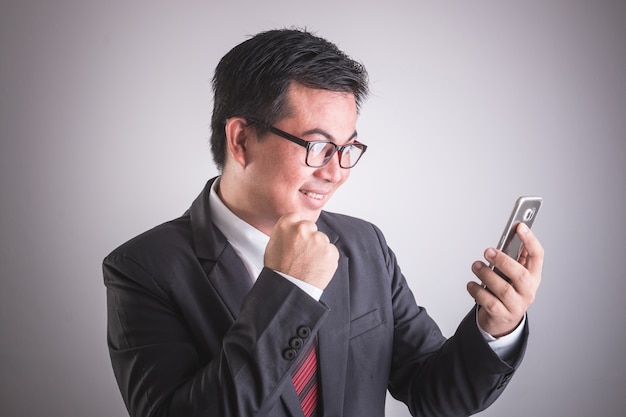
(298, 249)
(503, 304)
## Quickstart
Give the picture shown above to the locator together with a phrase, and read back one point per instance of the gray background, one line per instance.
(104, 120)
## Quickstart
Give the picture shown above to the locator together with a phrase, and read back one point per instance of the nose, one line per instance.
(332, 172)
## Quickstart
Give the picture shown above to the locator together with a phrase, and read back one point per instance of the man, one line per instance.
(256, 302)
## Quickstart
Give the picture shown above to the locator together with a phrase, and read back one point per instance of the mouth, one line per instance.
(312, 195)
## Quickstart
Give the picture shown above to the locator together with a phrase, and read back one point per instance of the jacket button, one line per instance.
(295, 343)
(304, 332)
(289, 354)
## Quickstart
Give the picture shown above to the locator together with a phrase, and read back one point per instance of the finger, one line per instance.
(321, 237)
(523, 257)
(477, 292)
(496, 286)
(504, 263)
(533, 251)
(292, 222)
(289, 218)
(485, 298)
(305, 228)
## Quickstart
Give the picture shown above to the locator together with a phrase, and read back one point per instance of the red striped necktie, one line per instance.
(305, 381)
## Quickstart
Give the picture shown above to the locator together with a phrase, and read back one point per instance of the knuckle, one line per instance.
(508, 291)
(332, 251)
(490, 305)
(304, 228)
(321, 237)
(540, 251)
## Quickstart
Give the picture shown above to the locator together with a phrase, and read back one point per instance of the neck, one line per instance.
(233, 197)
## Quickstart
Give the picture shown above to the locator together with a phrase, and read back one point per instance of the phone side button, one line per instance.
(505, 381)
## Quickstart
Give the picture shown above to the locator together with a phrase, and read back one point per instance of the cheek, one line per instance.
(283, 177)
(286, 156)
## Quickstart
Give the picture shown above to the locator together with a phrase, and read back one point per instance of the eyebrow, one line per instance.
(327, 135)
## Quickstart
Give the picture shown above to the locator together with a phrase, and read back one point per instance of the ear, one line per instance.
(237, 138)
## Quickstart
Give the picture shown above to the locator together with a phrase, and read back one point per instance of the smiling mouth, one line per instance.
(312, 195)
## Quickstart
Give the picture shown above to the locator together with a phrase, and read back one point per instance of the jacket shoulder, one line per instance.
(154, 255)
(159, 240)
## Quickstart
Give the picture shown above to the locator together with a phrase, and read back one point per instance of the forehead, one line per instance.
(315, 106)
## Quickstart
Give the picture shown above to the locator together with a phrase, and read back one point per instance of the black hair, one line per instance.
(252, 79)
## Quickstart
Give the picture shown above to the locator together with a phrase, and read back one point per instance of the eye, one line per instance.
(320, 150)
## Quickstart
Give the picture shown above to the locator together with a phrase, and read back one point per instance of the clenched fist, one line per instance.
(298, 249)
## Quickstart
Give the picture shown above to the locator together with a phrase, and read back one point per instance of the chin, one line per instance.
(308, 214)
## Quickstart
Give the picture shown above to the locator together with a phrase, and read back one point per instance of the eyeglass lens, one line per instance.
(319, 153)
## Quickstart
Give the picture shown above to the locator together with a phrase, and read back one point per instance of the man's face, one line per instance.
(278, 181)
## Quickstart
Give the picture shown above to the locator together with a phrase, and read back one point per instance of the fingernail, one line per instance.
(490, 253)
(477, 266)
(523, 228)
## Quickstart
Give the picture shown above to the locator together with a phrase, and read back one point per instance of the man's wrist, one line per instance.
(311, 290)
(504, 346)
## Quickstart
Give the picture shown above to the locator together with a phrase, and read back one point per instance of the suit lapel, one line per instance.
(222, 266)
(230, 279)
(333, 336)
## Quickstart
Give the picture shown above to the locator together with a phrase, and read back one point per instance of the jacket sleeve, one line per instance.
(157, 363)
(434, 376)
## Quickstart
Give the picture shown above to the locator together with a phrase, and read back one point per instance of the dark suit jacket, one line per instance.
(190, 335)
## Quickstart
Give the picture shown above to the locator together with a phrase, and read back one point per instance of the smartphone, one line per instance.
(525, 211)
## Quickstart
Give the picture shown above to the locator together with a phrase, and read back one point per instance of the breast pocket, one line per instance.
(365, 323)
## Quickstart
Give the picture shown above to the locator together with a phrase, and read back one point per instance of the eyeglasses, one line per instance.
(319, 153)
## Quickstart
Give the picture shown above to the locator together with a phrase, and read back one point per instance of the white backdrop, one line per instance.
(104, 126)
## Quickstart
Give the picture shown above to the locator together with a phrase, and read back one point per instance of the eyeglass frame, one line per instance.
(308, 144)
